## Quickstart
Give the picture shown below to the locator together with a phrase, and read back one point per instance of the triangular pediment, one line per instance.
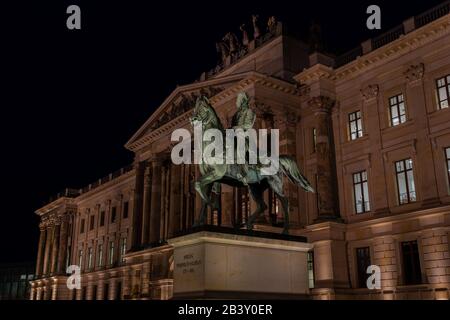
(179, 103)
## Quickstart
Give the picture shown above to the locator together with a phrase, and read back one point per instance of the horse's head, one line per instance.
(202, 111)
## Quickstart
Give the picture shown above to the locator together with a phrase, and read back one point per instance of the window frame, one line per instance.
(113, 214)
(405, 171)
(361, 275)
(411, 268)
(396, 105)
(360, 184)
(359, 128)
(446, 85)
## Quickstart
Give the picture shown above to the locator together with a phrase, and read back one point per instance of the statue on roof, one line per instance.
(272, 24)
(256, 29)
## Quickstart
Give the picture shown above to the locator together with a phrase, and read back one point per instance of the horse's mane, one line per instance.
(219, 123)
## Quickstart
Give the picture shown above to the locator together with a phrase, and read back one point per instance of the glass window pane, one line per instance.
(366, 196)
(364, 175)
(447, 152)
(392, 101)
(444, 104)
(352, 116)
(448, 78)
(401, 178)
(441, 82)
(403, 119)
(399, 166)
(358, 114)
(358, 199)
(394, 112)
(442, 94)
(402, 108)
(356, 178)
(408, 164)
(411, 186)
(353, 127)
(400, 97)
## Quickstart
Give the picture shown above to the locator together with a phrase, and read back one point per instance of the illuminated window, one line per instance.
(100, 255)
(123, 249)
(89, 258)
(397, 110)
(111, 252)
(355, 125)
(80, 258)
(443, 91)
(362, 263)
(405, 181)
(361, 192)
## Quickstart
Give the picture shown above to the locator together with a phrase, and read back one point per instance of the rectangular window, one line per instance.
(412, 273)
(82, 226)
(111, 252)
(362, 263)
(91, 222)
(310, 269)
(355, 125)
(125, 209)
(113, 214)
(123, 248)
(89, 258)
(102, 218)
(314, 139)
(100, 255)
(443, 91)
(80, 258)
(361, 192)
(405, 181)
(397, 110)
(447, 159)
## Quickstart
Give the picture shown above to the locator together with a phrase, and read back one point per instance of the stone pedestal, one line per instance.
(210, 264)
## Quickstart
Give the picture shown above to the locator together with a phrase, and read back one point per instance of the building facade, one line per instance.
(15, 280)
(370, 129)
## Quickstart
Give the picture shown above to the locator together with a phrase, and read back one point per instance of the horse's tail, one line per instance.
(289, 167)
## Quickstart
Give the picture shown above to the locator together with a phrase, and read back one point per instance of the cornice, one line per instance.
(404, 44)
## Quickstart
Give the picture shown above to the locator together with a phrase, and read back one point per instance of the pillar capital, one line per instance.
(321, 104)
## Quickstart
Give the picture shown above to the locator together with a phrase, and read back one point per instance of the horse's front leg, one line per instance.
(204, 182)
(256, 191)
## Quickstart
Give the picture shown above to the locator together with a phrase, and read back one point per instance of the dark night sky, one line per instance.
(71, 99)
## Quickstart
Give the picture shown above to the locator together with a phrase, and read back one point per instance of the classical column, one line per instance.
(48, 242)
(63, 238)
(39, 260)
(137, 204)
(175, 201)
(155, 204)
(55, 246)
(325, 155)
(146, 207)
